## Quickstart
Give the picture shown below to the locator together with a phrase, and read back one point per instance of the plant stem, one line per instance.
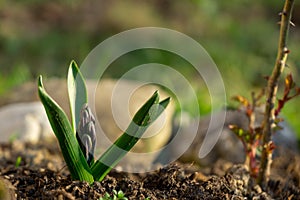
(282, 53)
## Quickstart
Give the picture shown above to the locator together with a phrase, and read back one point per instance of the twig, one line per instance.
(266, 157)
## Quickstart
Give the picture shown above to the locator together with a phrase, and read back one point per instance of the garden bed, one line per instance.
(42, 173)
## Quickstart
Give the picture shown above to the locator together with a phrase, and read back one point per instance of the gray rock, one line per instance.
(24, 121)
(228, 146)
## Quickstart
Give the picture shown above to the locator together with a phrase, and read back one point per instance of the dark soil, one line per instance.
(42, 175)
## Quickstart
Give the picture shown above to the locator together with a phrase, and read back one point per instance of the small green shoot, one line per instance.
(18, 161)
(77, 138)
(116, 196)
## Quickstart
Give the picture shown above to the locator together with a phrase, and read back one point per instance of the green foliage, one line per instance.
(65, 132)
(239, 36)
(115, 196)
(77, 94)
(62, 128)
(18, 161)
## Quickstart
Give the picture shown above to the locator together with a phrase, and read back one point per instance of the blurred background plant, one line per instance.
(41, 37)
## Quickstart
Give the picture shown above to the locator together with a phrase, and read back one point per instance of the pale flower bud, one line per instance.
(86, 133)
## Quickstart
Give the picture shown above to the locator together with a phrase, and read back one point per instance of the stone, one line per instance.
(25, 122)
(6, 190)
(228, 146)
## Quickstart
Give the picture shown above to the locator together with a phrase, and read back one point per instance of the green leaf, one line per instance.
(77, 93)
(61, 126)
(18, 161)
(147, 114)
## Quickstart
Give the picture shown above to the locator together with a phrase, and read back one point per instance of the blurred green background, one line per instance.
(42, 37)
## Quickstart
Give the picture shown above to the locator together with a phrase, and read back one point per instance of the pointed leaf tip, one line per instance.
(77, 93)
(40, 81)
(164, 103)
(73, 62)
